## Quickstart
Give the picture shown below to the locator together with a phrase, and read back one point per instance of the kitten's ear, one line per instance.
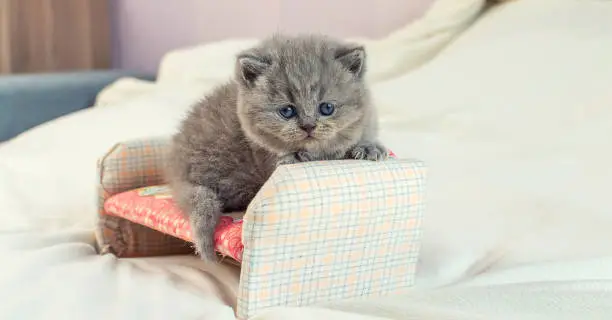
(352, 58)
(250, 67)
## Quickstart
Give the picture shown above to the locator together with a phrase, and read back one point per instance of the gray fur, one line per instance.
(231, 141)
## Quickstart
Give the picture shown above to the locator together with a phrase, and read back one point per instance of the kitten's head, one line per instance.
(302, 93)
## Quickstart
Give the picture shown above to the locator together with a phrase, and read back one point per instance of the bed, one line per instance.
(512, 117)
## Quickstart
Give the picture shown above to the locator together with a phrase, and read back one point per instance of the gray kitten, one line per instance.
(292, 99)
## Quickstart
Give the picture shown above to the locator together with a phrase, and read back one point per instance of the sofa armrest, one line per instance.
(27, 100)
(130, 165)
(331, 230)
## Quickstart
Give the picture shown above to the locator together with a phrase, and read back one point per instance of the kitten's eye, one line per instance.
(287, 112)
(326, 108)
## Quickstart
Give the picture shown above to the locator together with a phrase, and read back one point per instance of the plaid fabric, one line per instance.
(321, 231)
(124, 238)
(129, 165)
(132, 164)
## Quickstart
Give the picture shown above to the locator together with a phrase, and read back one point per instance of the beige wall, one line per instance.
(145, 29)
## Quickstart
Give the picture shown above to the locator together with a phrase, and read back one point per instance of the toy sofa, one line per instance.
(315, 232)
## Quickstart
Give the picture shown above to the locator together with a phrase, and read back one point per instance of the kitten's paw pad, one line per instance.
(369, 151)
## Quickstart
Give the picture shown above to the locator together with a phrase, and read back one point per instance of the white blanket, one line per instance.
(513, 119)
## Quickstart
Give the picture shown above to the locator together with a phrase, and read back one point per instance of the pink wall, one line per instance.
(145, 29)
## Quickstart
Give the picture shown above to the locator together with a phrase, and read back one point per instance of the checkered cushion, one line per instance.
(321, 231)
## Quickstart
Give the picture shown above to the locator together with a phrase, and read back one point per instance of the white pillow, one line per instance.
(401, 51)
(514, 120)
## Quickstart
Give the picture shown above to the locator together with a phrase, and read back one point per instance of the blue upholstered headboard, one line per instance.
(32, 99)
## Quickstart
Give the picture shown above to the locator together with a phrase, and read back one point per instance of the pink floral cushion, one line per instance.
(153, 207)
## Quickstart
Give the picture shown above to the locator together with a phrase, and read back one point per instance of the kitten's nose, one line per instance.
(309, 128)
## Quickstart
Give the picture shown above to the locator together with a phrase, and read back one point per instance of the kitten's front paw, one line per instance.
(305, 156)
(295, 157)
(290, 158)
(371, 151)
